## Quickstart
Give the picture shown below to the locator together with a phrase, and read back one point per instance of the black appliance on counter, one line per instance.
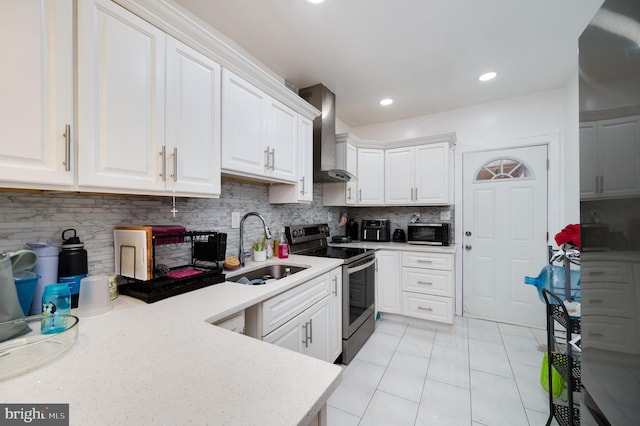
(208, 249)
(399, 236)
(353, 230)
(376, 230)
(609, 60)
(358, 282)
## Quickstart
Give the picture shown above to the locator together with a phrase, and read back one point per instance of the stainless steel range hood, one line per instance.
(324, 135)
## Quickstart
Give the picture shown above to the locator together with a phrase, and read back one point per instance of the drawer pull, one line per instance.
(424, 261)
(425, 282)
(595, 301)
(425, 308)
(596, 335)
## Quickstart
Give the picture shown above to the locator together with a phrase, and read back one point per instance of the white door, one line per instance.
(305, 159)
(370, 176)
(282, 142)
(432, 173)
(504, 233)
(398, 179)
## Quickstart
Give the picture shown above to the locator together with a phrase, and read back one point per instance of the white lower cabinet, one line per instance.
(305, 319)
(388, 281)
(428, 286)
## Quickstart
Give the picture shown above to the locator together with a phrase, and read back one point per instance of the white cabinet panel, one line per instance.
(282, 144)
(370, 176)
(193, 120)
(36, 105)
(399, 176)
(388, 281)
(427, 281)
(433, 308)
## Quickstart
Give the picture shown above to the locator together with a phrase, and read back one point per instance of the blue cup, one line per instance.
(56, 306)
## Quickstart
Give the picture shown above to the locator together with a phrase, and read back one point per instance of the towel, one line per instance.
(570, 234)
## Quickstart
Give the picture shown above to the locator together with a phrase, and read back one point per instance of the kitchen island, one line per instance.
(165, 363)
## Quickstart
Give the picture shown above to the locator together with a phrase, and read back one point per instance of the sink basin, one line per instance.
(266, 273)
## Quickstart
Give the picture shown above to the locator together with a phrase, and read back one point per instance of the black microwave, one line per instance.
(433, 234)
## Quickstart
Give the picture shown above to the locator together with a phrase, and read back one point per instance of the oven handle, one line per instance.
(360, 267)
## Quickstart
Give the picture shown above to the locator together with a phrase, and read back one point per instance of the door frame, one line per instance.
(555, 190)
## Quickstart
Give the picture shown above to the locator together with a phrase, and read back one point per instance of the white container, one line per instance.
(47, 268)
(259, 256)
(94, 296)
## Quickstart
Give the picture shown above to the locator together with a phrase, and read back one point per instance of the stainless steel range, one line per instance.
(358, 282)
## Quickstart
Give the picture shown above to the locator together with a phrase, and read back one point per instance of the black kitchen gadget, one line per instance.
(399, 236)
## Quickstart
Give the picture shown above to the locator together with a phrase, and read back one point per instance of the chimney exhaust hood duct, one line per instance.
(324, 135)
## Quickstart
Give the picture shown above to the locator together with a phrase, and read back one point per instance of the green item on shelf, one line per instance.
(557, 382)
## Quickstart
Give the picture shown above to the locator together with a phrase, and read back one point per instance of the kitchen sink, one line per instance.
(267, 273)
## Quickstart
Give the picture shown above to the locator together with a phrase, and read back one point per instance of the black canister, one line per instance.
(72, 264)
(352, 230)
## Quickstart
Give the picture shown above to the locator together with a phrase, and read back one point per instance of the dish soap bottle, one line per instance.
(283, 247)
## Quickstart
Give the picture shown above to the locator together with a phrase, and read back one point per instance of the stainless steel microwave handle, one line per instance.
(360, 267)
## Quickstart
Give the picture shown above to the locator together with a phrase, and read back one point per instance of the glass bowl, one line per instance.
(32, 350)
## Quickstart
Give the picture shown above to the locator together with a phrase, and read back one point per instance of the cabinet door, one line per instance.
(335, 315)
(589, 177)
(317, 326)
(282, 142)
(193, 120)
(619, 156)
(398, 177)
(305, 160)
(352, 167)
(243, 126)
(388, 285)
(432, 173)
(370, 176)
(120, 98)
(36, 82)
(291, 335)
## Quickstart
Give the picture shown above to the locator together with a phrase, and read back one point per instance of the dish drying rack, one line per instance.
(208, 249)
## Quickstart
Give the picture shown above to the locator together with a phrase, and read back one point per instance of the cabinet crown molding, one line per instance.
(175, 20)
(450, 138)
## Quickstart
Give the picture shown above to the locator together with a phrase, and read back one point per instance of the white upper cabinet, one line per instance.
(36, 105)
(417, 174)
(370, 176)
(193, 120)
(259, 134)
(120, 98)
(612, 149)
(148, 107)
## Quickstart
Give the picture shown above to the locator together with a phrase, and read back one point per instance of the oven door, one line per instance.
(358, 280)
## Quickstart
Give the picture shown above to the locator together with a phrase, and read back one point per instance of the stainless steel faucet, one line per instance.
(266, 231)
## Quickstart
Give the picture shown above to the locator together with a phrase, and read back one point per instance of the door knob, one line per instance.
(467, 247)
(468, 233)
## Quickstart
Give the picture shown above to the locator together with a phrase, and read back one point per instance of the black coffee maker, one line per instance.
(352, 230)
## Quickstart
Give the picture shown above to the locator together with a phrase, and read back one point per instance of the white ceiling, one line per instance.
(425, 54)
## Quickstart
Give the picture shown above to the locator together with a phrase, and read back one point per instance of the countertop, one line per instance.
(390, 245)
(164, 363)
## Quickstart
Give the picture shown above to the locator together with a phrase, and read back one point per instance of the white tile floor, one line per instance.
(480, 373)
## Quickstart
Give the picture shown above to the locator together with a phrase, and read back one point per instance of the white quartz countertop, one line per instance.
(163, 363)
(375, 245)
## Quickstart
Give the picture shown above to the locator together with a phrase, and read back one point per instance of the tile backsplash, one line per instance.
(35, 216)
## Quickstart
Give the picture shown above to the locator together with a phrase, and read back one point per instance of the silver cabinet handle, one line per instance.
(596, 335)
(424, 261)
(360, 194)
(425, 308)
(67, 148)
(425, 282)
(266, 158)
(302, 184)
(273, 159)
(595, 301)
(311, 330)
(349, 193)
(335, 286)
(175, 165)
(601, 184)
(306, 337)
(163, 154)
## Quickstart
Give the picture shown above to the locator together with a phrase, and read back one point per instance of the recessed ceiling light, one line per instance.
(315, 1)
(488, 76)
(386, 101)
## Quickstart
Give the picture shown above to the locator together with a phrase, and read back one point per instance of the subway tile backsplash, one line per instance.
(34, 216)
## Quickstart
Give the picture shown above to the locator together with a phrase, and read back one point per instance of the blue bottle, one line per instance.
(56, 306)
(553, 278)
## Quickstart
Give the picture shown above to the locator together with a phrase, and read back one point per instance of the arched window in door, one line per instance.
(504, 168)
